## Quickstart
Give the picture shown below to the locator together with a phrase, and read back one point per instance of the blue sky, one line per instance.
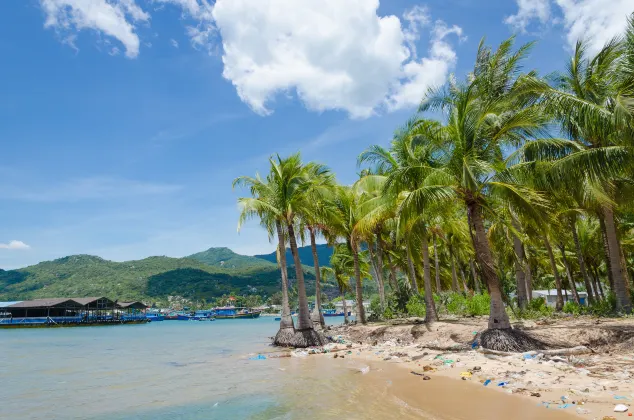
(123, 122)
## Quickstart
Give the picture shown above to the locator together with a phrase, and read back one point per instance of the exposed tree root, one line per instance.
(284, 337)
(509, 340)
(308, 338)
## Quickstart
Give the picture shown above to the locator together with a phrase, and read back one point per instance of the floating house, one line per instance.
(70, 312)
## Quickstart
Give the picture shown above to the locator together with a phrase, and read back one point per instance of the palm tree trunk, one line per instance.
(287, 328)
(454, 277)
(378, 273)
(359, 285)
(571, 281)
(393, 281)
(582, 264)
(553, 265)
(597, 283)
(606, 251)
(437, 265)
(317, 316)
(476, 283)
(345, 308)
(529, 276)
(430, 307)
(498, 318)
(623, 301)
(303, 316)
(464, 280)
(520, 275)
(410, 267)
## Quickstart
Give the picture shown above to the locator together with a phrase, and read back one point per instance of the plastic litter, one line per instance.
(562, 406)
(299, 353)
(580, 410)
(364, 370)
(528, 356)
(503, 383)
(258, 357)
(620, 408)
(487, 382)
(465, 374)
(620, 397)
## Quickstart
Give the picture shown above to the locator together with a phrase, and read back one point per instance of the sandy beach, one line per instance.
(587, 382)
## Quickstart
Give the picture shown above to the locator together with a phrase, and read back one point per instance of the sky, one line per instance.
(124, 122)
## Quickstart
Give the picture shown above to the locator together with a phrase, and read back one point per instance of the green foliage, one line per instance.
(416, 306)
(461, 305)
(151, 279)
(229, 260)
(605, 307)
(571, 307)
(536, 308)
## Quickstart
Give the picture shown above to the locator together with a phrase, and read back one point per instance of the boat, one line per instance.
(154, 317)
(203, 315)
(333, 312)
(232, 312)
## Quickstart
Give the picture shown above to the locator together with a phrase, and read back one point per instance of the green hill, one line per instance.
(149, 279)
(229, 260)
(305, 256)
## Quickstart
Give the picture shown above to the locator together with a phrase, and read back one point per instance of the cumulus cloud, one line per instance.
(114, 18)
(529, 10)
(596, 21)
(174, 43)
(331, 54)
(348, 58)
(14, 245)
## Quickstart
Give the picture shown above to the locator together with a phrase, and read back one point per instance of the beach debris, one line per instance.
(620, 397)
(216, 405)
(608, 418)
(465, 375)
(503, 383)
(621, 408)
(476, 368)
(416, 373)
(364, 370)
(426, 378)
(335, 356)
(258, 357)
(536, 394)
(580, 410)
(487, 382)
(299, 353)
(428, 368)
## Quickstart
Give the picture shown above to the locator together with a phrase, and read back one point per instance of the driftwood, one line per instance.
(454, 347)
(556, 352)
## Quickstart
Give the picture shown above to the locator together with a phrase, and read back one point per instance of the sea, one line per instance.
(220, 370)
(177, 370)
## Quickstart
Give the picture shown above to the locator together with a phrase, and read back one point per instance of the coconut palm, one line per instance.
(487, 113)
(262, 205)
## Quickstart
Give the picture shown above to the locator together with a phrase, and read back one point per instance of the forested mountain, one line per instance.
(305, 255)
(201, 277)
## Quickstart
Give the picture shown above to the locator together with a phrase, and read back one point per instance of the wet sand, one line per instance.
(441, 398)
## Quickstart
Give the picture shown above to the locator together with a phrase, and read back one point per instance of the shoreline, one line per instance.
(587, 385)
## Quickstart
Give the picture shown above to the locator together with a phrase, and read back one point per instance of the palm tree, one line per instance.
(276, 202)
(292, 187)
(487, 113)
(263, 206)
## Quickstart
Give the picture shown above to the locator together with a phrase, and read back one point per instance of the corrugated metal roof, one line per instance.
(135, 305)
(85, 301)
(45, 303)
(5, 304)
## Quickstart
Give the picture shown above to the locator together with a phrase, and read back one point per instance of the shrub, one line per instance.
(604, 307)
(478, 305)
(536, 308)
(571, 307)
(416, 306)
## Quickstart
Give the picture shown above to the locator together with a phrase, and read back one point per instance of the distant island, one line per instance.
(199, 277)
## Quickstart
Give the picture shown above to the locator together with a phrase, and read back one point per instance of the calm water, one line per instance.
(178, 370)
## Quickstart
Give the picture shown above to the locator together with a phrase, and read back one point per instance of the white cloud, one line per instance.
(174, 43)
(115, 18)
(527, 11)
(596, 21)
(348, 58)
(14, 245)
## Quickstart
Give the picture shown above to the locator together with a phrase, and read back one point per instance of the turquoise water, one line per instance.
(175, 370)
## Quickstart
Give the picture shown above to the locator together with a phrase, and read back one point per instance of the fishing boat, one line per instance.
(154, 317)
(333, 312)
(232, 312)
(203, 315)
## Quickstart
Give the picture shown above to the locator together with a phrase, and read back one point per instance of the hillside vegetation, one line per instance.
(305, 256)
(150, 279)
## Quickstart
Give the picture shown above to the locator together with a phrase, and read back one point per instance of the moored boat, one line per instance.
(333, 312)
(154, 317)
(232, 312)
